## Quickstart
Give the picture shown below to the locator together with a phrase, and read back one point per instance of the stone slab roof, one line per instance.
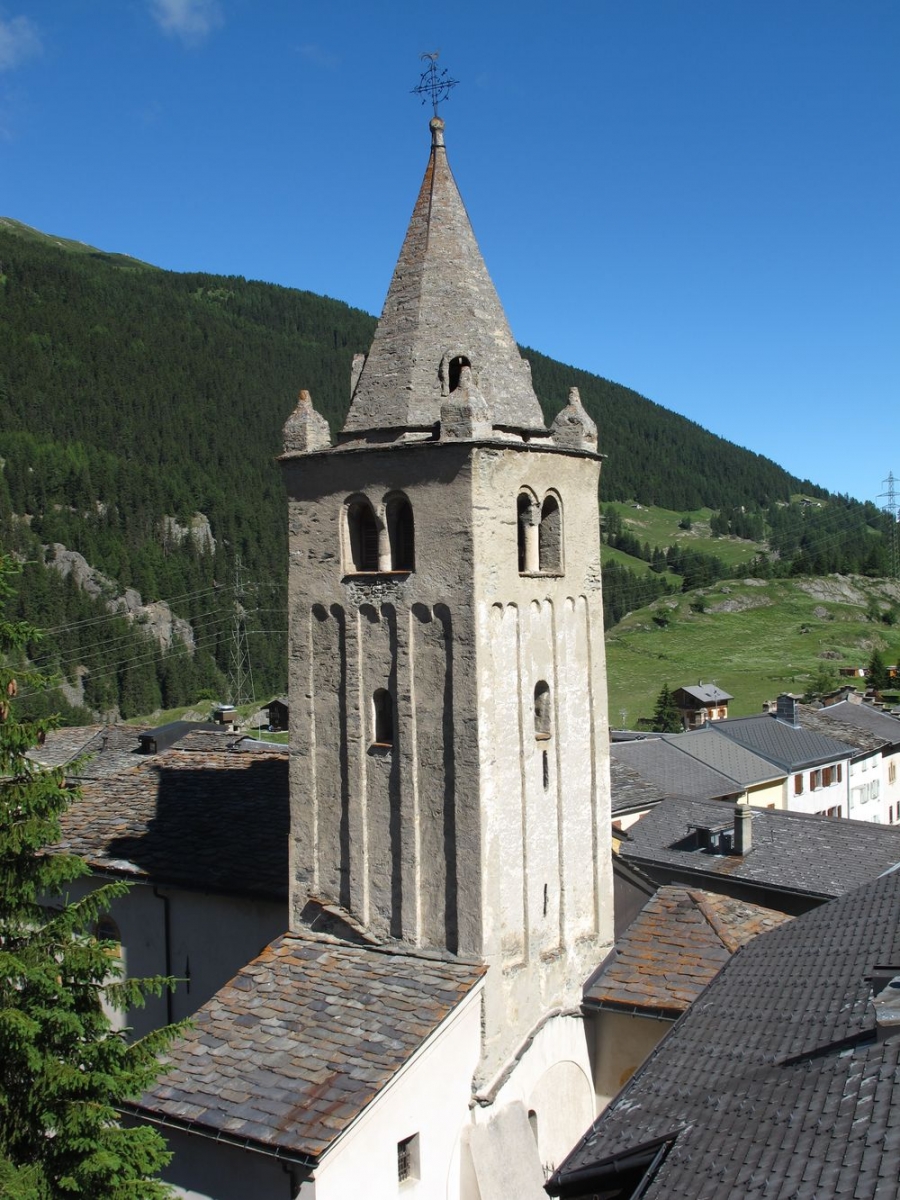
(796, 852)
(725, 756)
(441, 302)
(774, 1085)
(676, 774)
(674, 948)
(297, 1045)
(104, 749)
(211, 820)
(855, 722)
(629, 789)
(788, 746)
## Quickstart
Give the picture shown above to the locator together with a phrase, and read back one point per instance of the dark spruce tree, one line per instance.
(63, 1068)
(666, 717)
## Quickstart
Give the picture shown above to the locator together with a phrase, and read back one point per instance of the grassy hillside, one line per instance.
(752, 637)
(662, 527)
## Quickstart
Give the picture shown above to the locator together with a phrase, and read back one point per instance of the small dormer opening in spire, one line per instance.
(454, 370)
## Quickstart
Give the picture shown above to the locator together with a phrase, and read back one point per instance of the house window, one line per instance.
(815, 780)
(798, 785)
(362, 537)
(826, 776)
(408, 1159)
(383, 717)
(892, 772)
(550, 537)
(839, 773)
(401, 534)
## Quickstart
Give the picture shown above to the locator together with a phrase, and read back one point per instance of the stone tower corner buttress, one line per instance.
(449, 756)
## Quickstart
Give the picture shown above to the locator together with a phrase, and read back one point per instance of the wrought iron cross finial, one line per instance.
(434, 83)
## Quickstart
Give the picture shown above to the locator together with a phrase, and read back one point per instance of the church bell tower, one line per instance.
(449, 742)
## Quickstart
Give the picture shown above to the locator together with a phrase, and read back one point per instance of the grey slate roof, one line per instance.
(788, 746)
(674, 948)
(441, 301)
(629, 789)
(707, 693)
(772, 1085)
(725, 756)
(795, 852)
(676, 774)
(213, 820)
(296, 1046)
(856, 722)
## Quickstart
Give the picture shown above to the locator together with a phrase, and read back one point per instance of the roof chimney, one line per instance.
(786, 709)
(743, 838)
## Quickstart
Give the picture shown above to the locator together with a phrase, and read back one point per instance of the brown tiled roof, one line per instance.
(216, 821)
(296, 1046)
(674, 948)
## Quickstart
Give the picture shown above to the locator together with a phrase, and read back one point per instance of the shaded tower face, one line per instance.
(449, 765)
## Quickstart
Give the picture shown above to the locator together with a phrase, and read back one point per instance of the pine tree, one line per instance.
(877, 675)
(63, 1068)
(666, 717)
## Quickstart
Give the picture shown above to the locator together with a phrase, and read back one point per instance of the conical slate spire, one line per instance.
(442, 314)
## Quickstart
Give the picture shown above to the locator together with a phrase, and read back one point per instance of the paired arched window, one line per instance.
(540, 534)
(362, 536)
(401, 534)
(378, 540)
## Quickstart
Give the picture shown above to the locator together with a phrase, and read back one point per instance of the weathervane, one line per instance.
(434, 83)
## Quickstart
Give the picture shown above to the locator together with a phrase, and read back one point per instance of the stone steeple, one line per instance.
(442, 315)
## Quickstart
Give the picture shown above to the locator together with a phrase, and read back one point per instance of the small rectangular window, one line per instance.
(408, 1159)
(798, 785)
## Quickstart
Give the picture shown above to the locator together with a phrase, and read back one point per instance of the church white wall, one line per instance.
(553, 1081)
(211, 937)
(429, 1098)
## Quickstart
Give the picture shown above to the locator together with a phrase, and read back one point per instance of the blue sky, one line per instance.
(696, 198)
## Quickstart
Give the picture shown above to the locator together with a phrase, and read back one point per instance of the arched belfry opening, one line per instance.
(361, 537)
(550, 536)
(527, 517)
(401, 533)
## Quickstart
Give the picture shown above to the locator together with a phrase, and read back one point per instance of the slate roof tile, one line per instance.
(726, 1082)
(797, 852)
(215, 820)
(281, 1073)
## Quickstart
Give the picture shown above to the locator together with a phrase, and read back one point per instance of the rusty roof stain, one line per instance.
(675, 946)
(301, 1041)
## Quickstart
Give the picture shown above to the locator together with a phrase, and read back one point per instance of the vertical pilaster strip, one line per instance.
(311, 755)
(523, 781)
(358, 799)
(411, 867)
(595, 816)
(557, 753)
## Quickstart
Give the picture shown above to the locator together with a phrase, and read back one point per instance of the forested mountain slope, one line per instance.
(130, 395)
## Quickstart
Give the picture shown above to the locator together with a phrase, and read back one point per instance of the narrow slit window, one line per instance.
(543, 724)
(455, 370)
(383, 713)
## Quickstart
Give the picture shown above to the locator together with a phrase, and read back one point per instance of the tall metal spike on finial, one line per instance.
(434, 84)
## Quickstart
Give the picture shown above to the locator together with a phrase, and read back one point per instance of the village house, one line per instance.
(702, 703)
